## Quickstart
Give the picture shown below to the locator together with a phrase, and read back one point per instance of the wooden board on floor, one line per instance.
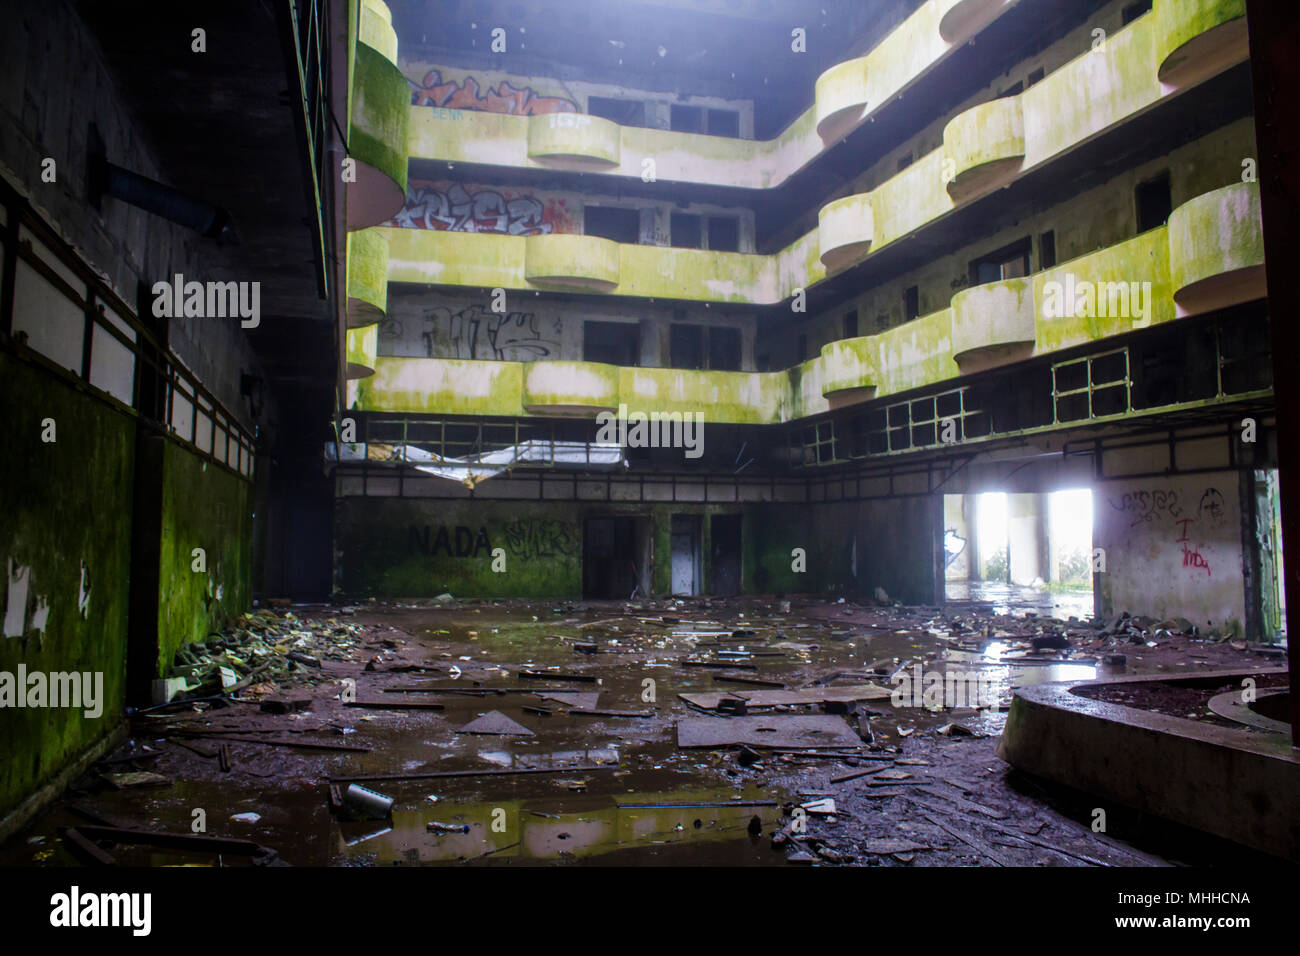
(772, 698)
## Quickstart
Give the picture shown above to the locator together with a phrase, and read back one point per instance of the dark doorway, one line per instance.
(726, 553)
(685, 554)
(613, 562)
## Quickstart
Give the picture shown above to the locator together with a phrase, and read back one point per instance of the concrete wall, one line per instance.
(65, 545)
(421, 547)
(66, 532)
(203, 507)
(1173, 548)
(46, 111)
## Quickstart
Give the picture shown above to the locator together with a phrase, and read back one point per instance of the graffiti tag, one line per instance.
(506, 98)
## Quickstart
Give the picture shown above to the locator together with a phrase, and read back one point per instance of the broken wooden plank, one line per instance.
(611, 713)
(178, 841)
(396, 704)
(84, 847)
(845, 777)
(792, 732)
(720, 665)
(755, 681)
(300, 744)
(776, 698)
(555, 675)
(499, 772)
(971, 840)
(885, 845)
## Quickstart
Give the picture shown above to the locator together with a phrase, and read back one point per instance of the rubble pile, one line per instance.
(260, 653)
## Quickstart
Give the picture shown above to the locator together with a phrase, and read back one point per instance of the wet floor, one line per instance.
(589, 768)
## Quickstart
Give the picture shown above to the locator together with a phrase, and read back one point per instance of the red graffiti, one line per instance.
(1192, 558)
(432, 91)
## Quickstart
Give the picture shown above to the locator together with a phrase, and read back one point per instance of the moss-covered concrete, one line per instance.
(401, 547)
(67, 519)
(203, 506)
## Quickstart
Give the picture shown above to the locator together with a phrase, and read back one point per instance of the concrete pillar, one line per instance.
(1027, 537)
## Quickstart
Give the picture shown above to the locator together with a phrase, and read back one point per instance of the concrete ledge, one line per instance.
(1238, 784)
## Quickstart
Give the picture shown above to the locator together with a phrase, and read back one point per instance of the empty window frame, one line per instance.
(685, 345)
(849, 325)
(1153, 202)
(613, 223)
(623, 112)
(1092, 386)
(614, 343)
(1047, 249)
(1009, 262)
(686, 230)
(724, 349)
(686, 119)
(724, 233)
(911, 303)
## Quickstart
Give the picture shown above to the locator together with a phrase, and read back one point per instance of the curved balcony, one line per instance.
(986, 147)
(993, 324)
(570, 388)
(1216, 250)
(381, 106)
(840, 98)
(964, 18)
(363, 348)
(367, 277)
(573, 140)
(742, 398)
(375, 29)
(848, 373)
(584, 263)
(844, 231)
(1199, 39)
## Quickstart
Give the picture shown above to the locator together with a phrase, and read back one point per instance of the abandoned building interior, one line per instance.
(689, 432)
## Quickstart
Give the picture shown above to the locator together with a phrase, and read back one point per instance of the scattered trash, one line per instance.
(362, 803)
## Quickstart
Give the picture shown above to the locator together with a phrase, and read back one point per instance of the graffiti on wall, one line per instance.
(451, 207)
(432, 90)
(953, 545)
(541, 538)
(478, 333)
(1149, 506)
(458, 542)
(525, 538)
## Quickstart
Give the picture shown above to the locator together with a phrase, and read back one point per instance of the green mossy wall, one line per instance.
(207, 507)
(67, 505)
(383, 548)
